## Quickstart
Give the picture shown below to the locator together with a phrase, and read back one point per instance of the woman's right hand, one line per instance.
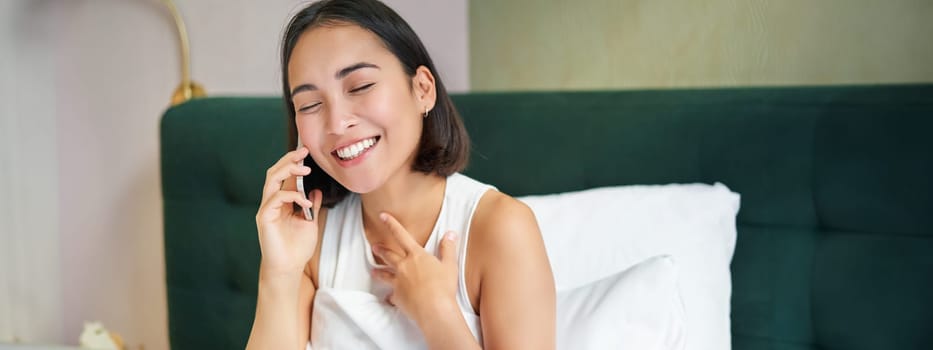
(287, 240)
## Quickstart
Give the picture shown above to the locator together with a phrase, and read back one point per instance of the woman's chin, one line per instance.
(361, 184)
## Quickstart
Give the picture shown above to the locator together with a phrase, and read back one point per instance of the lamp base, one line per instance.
(186, 92)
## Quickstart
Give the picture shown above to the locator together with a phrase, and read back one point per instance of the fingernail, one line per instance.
(377, 250)
(384, 217)
(451, 236)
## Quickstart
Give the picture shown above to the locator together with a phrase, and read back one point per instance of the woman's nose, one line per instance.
(338, 121)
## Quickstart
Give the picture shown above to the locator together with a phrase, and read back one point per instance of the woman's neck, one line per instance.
(413, 198)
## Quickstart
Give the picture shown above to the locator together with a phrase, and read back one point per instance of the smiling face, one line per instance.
(356, 110)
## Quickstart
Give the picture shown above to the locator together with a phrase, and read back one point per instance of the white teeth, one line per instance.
(354, 150)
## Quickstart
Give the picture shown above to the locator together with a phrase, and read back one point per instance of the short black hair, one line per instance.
(444, 147)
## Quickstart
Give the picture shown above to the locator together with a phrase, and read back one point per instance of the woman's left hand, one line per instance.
(424, 287)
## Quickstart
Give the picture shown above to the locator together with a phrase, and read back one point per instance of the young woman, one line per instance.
(403, 251)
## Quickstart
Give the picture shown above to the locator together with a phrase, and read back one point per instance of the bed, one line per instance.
(834, 244)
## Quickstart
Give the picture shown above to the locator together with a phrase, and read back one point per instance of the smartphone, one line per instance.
(304, 190)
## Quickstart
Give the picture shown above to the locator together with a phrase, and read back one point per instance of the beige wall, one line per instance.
(605, 44)
(82, 95)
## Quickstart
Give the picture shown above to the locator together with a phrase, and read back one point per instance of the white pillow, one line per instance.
(595, 233)
(638, 309)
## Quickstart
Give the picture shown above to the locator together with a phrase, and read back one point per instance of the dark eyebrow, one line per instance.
(303, 87)
(343, 73)
(346, 71)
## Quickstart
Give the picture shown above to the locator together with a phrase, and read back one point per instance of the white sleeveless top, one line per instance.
(350, 311)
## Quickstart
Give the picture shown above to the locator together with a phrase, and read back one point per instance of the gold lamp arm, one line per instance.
(187, 89)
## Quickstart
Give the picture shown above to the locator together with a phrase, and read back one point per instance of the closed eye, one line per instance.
(306, 109)
(362, 88)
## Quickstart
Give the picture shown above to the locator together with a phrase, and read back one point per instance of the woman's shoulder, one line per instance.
(496, 208)
(502, 223)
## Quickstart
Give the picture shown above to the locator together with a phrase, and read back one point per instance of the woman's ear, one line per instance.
(424, 88)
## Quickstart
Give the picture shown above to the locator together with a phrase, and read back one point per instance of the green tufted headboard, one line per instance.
(835, 234)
